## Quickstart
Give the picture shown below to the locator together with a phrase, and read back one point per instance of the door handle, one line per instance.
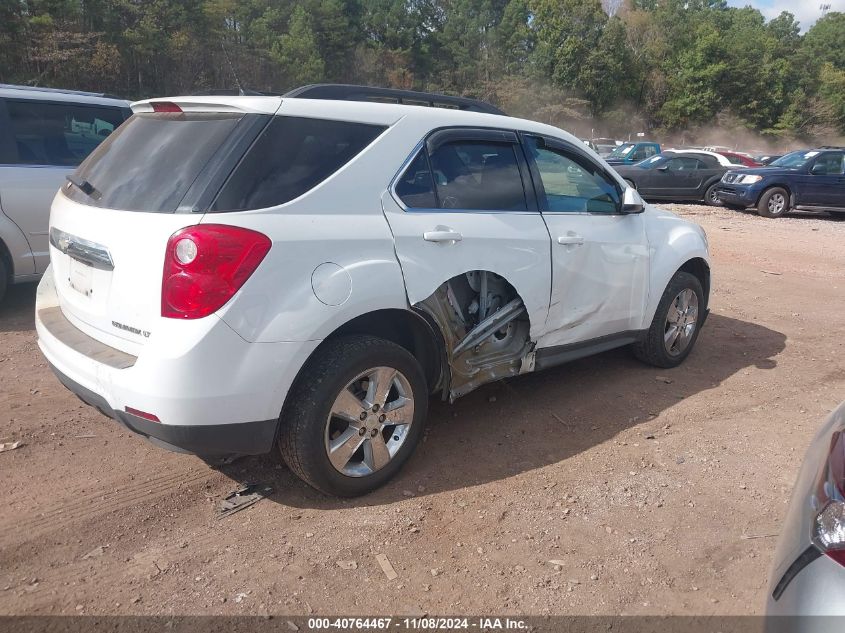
(570, 240)
(446, 235)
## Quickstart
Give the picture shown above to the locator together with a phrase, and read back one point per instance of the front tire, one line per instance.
(674, 329)
(354, 415)
(710, 197)
(774, 203)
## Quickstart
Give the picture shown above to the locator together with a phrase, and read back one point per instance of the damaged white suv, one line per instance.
(232, 272)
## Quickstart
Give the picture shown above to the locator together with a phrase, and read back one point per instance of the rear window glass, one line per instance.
(151, 162)
(60, 134)
(292, 156)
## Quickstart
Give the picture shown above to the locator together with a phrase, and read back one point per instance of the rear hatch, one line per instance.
(110, 224)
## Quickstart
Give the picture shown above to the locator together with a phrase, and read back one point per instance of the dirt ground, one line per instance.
(600, 487)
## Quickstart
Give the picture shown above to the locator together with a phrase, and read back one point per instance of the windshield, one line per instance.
(622, 151)
(794, 159)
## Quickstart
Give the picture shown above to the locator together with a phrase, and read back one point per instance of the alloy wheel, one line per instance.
(777, 203)
(681, 322)
(369, 421)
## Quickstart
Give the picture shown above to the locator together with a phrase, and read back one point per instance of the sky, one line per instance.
(805, 11)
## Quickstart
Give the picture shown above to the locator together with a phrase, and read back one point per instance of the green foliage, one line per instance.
(656, 64)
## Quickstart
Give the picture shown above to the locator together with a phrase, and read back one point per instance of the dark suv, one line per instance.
(808, 179)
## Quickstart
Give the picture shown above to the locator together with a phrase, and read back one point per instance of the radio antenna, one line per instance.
(232, 68)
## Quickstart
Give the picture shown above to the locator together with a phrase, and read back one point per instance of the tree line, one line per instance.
(660, 66)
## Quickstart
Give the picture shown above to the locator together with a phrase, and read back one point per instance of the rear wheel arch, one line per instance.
(412, 330)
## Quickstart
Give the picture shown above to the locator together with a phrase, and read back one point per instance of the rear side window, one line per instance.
(684, 163)
(292, 156)
(480, 176)
(415, 187)
(61, 134)
(151, 162)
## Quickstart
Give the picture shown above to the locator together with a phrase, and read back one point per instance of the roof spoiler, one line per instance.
(346, 92)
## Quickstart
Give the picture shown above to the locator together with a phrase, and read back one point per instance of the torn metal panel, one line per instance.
(485, 328)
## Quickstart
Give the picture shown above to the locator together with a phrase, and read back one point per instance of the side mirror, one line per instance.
(818, 170)
(632, 202)
(663, 168)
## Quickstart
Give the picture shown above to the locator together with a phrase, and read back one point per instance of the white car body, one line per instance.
(344, 251)
(806, 582)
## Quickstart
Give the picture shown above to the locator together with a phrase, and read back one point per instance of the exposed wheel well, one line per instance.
(406, 328)
(699, 268)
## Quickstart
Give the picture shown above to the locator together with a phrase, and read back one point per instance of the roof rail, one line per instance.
(63, 91)
(233, 92)
(832, 147)
(345, 92)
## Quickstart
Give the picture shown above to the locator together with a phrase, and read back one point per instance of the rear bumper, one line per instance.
(213, 392)
(242, 438)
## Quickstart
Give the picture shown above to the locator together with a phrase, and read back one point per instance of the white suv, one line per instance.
(233, 272)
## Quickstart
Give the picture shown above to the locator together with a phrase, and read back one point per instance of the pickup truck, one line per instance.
(632, 153)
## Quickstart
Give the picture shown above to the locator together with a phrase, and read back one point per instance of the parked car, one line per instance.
(677, 175)
(632, 153)
(44, 135)
(808, 179)
(605, 146)
(590, 144)
(808, 574)
(218, 296)
(740, 159)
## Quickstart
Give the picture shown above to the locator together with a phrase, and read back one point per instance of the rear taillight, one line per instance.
(165, 106)
(829, 502)
(205, 265)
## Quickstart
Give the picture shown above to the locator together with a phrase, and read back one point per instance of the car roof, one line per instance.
(721, 159)
(370, 112)
(10, 91)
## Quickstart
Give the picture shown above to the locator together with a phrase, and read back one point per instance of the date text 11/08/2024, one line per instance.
(418, 624)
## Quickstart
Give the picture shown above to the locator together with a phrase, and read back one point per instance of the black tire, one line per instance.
(652, 348)
(304, 420)
(631, 184)
(768, 206)
(710, 198)
(4, 279)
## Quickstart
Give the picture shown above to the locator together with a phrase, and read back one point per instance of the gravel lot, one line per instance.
(600, 487)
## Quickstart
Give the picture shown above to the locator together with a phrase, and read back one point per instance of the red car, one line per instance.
(743, 160)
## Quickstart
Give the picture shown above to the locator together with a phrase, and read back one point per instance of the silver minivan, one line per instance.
(44, 134)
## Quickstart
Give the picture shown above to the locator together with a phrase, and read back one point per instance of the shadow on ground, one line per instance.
(524, 423)
(17, 308)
